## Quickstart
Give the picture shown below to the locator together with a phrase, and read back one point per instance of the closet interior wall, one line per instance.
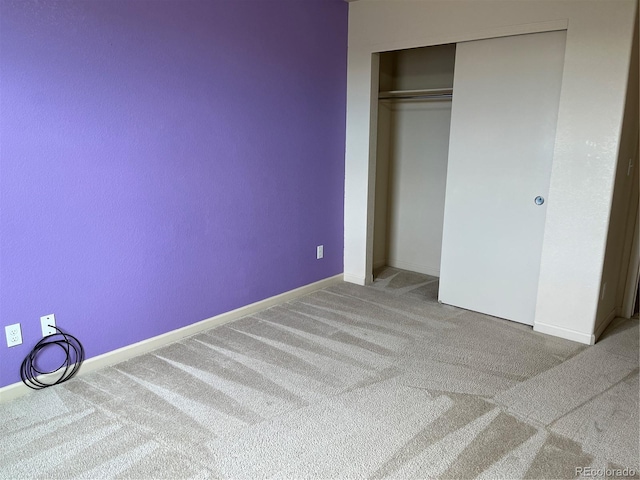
(411, 162)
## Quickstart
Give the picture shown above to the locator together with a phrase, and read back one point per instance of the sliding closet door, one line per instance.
(503, 122)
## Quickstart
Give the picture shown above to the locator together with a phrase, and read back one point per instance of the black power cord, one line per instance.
(74, 356)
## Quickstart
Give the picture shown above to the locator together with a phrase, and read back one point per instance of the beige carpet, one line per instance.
(348, 382)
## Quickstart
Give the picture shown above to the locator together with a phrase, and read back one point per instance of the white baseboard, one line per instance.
(357, 279)
(415, 267)
(564, 333)
(604, 324)
(16, 390)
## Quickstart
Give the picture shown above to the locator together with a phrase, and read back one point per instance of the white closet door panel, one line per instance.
(504, 113)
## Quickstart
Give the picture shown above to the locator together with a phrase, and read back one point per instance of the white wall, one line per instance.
(620, 233)
(381, 224)
(599, 37)
(417, 180)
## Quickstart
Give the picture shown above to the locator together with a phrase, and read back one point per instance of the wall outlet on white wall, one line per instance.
(14, 335)
(47, 323)
(319, 252)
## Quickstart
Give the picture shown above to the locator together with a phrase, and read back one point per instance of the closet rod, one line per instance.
(444, 96)
(431, 93)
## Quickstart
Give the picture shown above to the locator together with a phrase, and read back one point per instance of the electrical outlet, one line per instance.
(14, 335)
(319, 252)
(47, 323)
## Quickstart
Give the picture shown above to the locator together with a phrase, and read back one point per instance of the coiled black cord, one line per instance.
(74, 356)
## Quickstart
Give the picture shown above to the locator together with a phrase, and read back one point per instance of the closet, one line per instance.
(414, 113)
(466, 135)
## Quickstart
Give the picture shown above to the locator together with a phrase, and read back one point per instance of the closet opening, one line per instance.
(414, 116)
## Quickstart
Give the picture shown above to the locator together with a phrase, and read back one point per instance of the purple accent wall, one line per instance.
(162, 162)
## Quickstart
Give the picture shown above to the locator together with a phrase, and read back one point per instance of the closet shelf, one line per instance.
(427, 93)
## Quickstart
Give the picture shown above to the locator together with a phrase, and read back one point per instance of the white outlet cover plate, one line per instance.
(45, 321)
(319, 252)
(14, 335)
